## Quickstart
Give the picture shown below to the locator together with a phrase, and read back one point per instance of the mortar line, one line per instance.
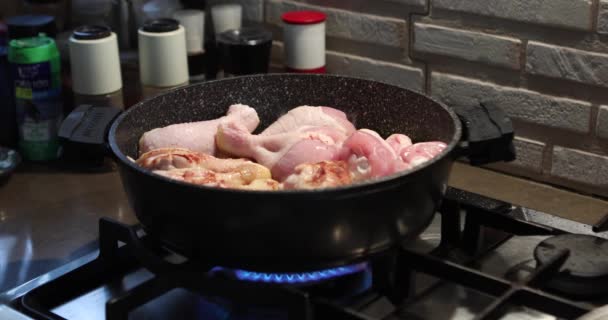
(546, 163)
(425, 66)
(523, 80)
(595, 4)
(594, 113)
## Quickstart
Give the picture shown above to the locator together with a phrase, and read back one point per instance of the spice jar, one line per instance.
(95, 66)
(26, 26)
(245, 50)
(163, 61)
(304, 41)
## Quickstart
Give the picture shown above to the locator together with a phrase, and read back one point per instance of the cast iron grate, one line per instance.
(392, 273)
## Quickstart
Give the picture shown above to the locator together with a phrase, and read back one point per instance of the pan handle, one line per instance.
(487, 134)
(84, 134)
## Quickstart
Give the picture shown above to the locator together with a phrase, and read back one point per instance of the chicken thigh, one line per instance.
(203, 169)
(324, 174)
(305, 116)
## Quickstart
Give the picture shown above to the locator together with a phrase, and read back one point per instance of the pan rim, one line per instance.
(373, 185)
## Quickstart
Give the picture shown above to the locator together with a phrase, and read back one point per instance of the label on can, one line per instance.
(38, 102)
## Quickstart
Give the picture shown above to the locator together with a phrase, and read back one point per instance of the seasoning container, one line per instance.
(55, 8)
(16, 27)
(95, 64)
(163, 61)
(8, 118)
(26, 26)
(36, 77)
(304, 41)
(245, 50)
(226, 17)
(193, 22)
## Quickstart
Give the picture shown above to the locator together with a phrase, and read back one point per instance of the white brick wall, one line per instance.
(467, 45)
(518, 103)
(602, 19)
(529, 154)
(409, 77)
(566, 63)
(572, 14)
(346, 24)
(602, 122)
(580, 166)
(392, 73)
(542, 61)
(412, 2)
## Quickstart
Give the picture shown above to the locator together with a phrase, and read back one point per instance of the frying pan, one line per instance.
(300, 230)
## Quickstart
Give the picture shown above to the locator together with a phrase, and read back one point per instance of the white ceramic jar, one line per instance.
(95, 65)
(163, 59)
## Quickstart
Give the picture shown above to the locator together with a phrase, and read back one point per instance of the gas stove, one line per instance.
(480, 259)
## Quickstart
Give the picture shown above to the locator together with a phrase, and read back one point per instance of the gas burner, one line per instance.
(294, 278)
(585, 272)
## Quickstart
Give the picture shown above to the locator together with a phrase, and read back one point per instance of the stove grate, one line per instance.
(115, 260)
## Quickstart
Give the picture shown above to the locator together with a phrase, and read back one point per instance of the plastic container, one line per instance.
(8, 117)
(245, 50)
(55, 8)
(304, 41)
(95, 65)
(37, 82)
(163, 60)
(32, 25)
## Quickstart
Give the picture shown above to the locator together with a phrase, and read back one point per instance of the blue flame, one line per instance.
(298, 278)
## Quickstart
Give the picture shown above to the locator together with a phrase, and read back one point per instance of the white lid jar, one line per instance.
(162, 54)
(193, 22)
(94, 61)
(304, 41)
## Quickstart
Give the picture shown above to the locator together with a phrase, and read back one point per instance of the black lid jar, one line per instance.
(245, 50)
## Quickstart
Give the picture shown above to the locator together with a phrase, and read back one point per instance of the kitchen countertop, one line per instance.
(49, 217)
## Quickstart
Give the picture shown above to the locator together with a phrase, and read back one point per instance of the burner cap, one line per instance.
(585, 272)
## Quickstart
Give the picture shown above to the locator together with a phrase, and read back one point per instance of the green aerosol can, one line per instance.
(35, 69)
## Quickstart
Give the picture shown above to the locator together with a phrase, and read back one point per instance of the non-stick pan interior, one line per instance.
(384, 108)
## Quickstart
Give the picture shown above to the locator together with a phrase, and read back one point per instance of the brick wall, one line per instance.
(545, 62)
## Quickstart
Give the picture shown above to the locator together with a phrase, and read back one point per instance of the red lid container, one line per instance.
(303, 17)
(304, 41)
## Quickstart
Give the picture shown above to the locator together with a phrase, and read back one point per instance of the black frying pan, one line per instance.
(301, 230)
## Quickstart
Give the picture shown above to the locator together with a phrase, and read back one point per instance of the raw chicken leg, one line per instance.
(281, 152)
(197, 136)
